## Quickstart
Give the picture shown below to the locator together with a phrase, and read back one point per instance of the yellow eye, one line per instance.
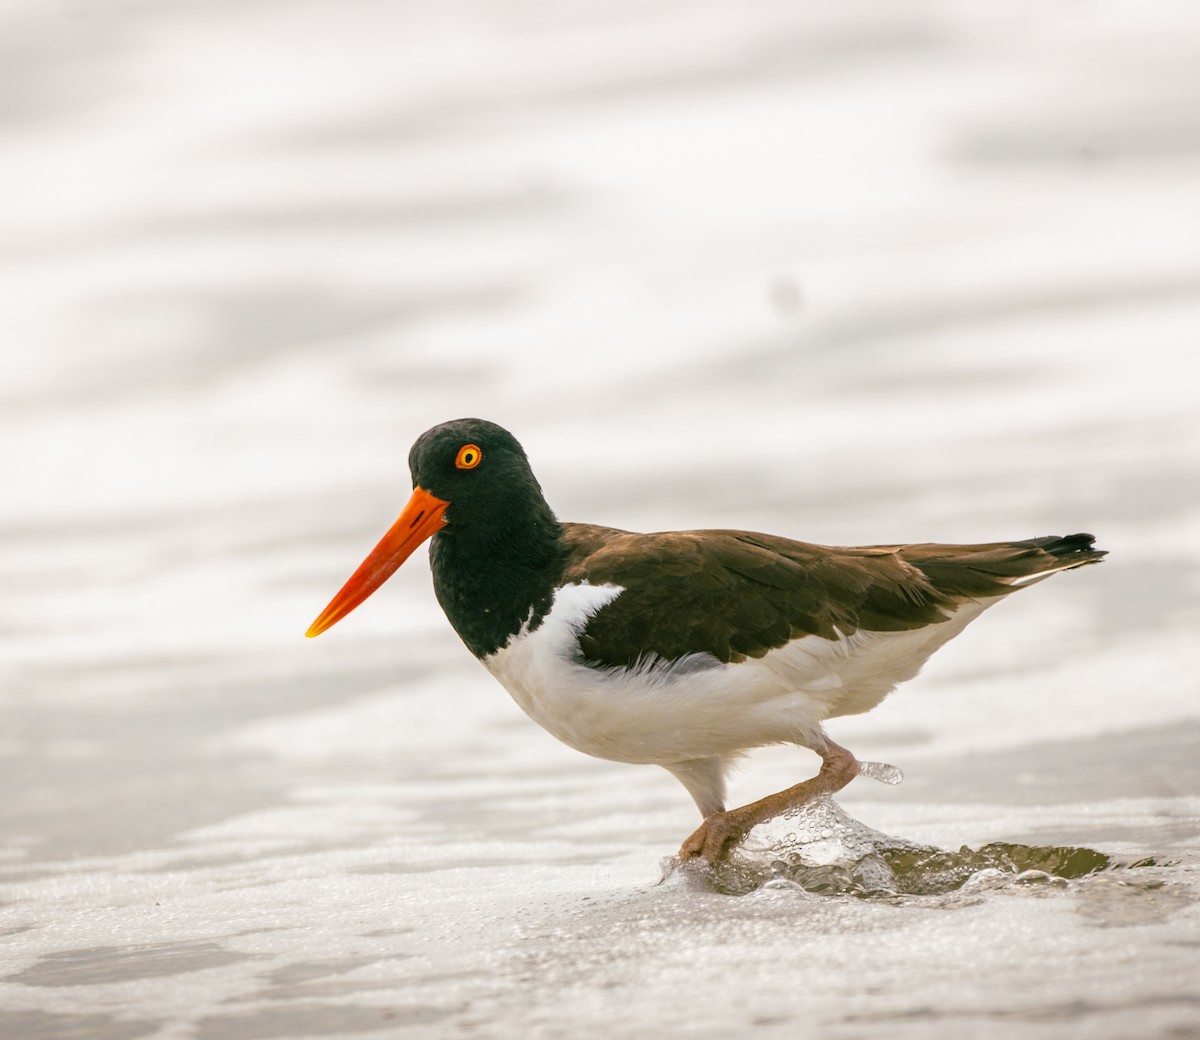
(469, 456)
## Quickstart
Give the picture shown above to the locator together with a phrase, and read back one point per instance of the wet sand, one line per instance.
(858, 275)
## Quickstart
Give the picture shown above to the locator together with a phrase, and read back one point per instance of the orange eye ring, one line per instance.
(469, 456)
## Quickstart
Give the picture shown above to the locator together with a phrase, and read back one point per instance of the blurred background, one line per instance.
(857, 272)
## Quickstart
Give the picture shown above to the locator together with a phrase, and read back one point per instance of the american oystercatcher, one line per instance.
(685, 648)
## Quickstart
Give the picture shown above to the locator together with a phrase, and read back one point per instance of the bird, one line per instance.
(682, 649)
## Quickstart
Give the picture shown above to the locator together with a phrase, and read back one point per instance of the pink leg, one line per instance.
(721, 831)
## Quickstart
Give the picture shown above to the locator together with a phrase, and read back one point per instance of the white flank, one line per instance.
(699, 708)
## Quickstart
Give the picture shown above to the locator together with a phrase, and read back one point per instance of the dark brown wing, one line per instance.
(736, 594)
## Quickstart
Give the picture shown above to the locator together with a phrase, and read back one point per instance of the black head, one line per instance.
(479, 469)
(497, 541)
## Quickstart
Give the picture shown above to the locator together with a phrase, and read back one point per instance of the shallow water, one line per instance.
(852, 275)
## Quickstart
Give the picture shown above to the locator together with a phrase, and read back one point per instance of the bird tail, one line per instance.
(997, 568)
(1053, 553)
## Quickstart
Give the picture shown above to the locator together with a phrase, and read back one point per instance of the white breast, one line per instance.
(699, 707)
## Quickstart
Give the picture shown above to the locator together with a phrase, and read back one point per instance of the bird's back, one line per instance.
(736, 595)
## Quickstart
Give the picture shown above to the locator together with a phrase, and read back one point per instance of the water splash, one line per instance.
(819, 849)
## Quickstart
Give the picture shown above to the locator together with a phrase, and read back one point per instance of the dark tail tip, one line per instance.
(1075, 548)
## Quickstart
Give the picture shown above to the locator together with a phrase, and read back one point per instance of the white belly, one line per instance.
(699, 707)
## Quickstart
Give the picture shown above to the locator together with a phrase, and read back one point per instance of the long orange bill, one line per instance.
(421, 518)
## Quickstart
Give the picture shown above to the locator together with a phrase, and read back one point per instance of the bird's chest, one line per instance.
(653, 712)
(541, 669)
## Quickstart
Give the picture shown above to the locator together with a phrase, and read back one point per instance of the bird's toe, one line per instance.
(714, 839)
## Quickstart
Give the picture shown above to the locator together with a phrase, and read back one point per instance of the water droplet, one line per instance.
(880, 771)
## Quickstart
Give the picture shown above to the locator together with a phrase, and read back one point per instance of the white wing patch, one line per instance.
(698, 707)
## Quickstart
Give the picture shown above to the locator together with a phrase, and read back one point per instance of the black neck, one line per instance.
(493, 579)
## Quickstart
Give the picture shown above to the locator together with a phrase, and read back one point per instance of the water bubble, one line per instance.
(986, 879)
(779, 884)
(1039, 878)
